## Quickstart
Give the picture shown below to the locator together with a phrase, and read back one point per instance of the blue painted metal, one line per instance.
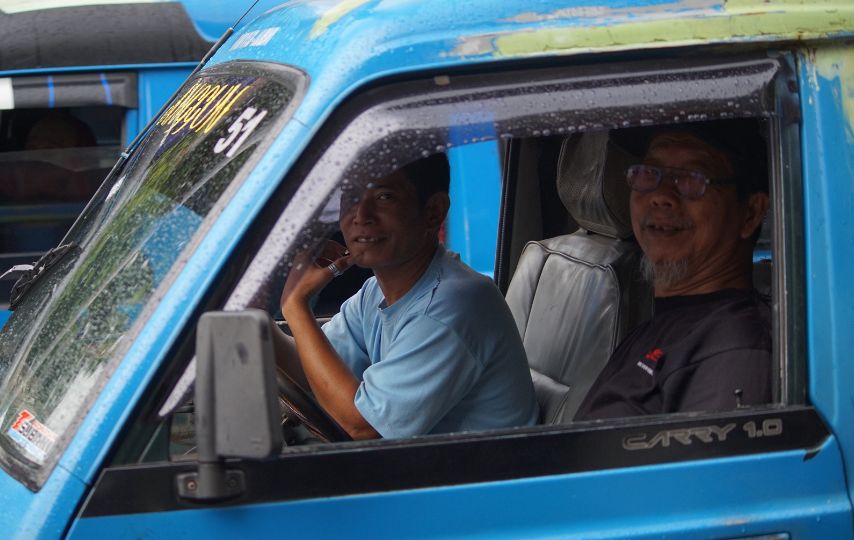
(475, 202)
(88, 69)
(156, 86)
(132, 121)
(212, 17)
(828, 157)
(726, 498)
(108, 94)
(51, 94)
(45, 514)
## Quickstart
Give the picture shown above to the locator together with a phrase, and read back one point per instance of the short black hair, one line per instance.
(742, 140)
(429, 175)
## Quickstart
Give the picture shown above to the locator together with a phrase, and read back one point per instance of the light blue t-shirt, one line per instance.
(446, 357)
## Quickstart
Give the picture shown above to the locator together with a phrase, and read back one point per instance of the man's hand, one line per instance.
(311, 272)
(330, 379)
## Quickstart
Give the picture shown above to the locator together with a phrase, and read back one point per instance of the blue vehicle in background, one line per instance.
(78, 82)
(137, 393)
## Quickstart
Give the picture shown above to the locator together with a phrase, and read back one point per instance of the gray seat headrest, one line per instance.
(591, 183)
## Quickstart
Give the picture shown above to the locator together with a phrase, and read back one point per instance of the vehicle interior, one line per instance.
(574, 295)
(570, 271)
(575, 284)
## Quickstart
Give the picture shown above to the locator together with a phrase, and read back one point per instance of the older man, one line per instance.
(697, 204)
(427, 345)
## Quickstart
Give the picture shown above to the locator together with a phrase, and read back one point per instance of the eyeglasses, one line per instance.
(689, 184)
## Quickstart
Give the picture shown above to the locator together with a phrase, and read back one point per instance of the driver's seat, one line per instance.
(574, 297)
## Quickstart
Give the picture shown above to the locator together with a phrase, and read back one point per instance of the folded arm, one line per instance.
(333, 384)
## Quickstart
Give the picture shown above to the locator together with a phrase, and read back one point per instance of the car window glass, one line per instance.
(56, 348)
(419, 120)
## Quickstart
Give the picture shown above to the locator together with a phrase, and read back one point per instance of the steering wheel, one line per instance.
(302, 406)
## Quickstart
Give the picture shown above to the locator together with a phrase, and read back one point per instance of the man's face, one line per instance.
(702, 238)
(386, 226)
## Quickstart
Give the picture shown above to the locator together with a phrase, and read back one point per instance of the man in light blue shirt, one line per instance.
(428, 344)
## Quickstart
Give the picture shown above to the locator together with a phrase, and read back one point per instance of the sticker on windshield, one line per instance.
(31, 435)
(243, 126)
(202, 107)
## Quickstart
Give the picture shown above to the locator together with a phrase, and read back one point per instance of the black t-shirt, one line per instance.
(693, 355)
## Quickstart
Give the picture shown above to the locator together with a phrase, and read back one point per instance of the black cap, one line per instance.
(741, 140)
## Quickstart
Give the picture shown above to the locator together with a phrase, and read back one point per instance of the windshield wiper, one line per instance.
(32, 273)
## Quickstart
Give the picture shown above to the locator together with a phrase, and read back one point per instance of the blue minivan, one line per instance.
(117, 421)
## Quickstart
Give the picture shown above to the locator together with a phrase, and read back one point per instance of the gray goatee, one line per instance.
(664, 274)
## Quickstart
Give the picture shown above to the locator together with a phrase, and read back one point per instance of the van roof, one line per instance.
(378, 36)
(341, 45)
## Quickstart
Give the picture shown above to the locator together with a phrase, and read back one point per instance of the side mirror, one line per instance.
(236, 401)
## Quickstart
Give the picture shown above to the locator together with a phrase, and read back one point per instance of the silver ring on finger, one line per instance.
(335, 270)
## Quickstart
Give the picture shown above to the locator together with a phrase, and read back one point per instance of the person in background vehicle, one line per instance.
(35, 178)
(428, 344)
(58, 129)
(697, 205)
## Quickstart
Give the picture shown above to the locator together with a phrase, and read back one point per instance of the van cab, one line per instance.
(122, 413)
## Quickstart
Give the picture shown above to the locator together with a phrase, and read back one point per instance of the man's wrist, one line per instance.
(296, 303)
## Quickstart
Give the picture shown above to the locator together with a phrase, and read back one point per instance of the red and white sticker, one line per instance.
(31, 435)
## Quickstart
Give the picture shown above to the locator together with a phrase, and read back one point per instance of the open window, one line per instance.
(567, 135)
(550, 123)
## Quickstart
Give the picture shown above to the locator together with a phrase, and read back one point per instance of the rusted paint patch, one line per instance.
(333, 15)
(836, 65)
(691, 23)
(605, 12)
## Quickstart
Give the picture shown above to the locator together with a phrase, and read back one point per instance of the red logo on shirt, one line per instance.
(654, 355)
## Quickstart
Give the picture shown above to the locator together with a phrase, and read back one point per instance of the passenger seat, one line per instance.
(574, 297)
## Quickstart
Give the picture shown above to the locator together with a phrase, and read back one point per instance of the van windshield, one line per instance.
(69, 331)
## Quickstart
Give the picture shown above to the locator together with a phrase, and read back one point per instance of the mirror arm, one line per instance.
(212, 481)
(236, 402)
